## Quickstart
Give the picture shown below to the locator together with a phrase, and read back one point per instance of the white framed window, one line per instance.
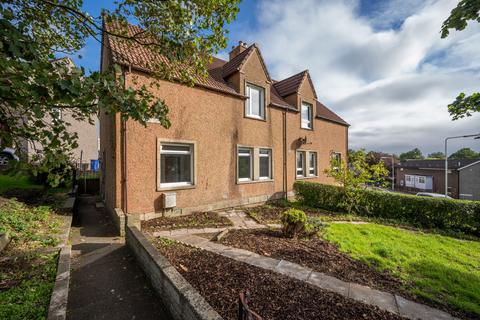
(265, 164)
(307, 115)
(255, 103)
(176, 165)
(312, 164)
(300, 164)
(245, 164)
(337, 156)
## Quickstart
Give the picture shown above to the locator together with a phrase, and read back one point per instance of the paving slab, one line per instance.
(383, 300)
(237, 254)
(213, 230)
(413, 310)
(329, 283)
(165, 233)
(262, 262)
(178, 232)
(293, 270)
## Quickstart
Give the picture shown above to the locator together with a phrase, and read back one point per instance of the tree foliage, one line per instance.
(34, 88)
(436, 155)
(464, 153)
(412, 154)
(356, 176)
(465, 11)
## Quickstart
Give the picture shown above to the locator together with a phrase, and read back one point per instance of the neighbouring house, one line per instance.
(429, 175)
(237, 137)
(88, 139)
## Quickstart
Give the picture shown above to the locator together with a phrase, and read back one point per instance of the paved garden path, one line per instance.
(384, 300)
(106, 282)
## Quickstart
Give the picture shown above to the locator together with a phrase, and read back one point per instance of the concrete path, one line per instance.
(384, 300)
(106, 282)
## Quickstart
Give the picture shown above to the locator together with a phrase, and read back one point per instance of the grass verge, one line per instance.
(438, 268)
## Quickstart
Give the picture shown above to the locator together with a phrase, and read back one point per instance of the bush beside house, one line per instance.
(423, 212)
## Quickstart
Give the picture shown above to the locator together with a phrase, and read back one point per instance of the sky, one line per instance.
(380, 64)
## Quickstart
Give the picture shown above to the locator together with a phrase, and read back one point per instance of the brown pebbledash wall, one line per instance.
(217, 125)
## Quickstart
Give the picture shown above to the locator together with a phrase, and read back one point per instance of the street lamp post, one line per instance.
(393, 170)
(475, 136)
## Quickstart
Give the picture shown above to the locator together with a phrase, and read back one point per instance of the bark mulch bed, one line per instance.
(195, 220)
(273, 296)
(314, 253)
(323, 256)
(271, 213)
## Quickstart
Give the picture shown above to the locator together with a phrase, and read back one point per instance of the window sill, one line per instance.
(309, 129)
(167, 188)
(308, 177)
(254, 181)
(255, 118)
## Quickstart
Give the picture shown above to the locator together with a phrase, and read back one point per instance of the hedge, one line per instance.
(446, 214)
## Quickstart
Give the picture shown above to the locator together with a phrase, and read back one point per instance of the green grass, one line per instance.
(29, 298)
(26, 274)
(435, 267)
(17, 181)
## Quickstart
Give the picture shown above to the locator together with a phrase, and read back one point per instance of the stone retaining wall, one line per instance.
(118, 219)
(181, 299)
(58, 301)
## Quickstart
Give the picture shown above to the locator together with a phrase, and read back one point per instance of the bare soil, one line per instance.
(195, 220)
(273, 296)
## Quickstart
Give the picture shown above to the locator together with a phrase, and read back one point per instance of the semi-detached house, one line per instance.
(237, 137)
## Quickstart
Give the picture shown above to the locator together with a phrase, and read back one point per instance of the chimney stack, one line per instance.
(236, 50)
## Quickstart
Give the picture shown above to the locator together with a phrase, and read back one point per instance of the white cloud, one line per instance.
(391, 84)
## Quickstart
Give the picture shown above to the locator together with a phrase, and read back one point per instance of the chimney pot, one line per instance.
(236, 50)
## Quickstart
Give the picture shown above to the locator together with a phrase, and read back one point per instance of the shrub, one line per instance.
(446, 214)
(313, 226)
(293, 221)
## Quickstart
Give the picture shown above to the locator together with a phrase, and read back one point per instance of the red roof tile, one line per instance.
(290, 85)
(324, 113)
(238, 61)
(140, 57)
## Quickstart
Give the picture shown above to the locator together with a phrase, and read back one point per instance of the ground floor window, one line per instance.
(300, 164)
(336, 158)
(306, 164)
(265, 163)
(254, 164)
(244, 164)
(312, 169)
(176, 165)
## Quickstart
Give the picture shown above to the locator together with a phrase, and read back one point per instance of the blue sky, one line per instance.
(380, 64)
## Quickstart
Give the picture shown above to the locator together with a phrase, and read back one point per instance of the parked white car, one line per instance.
(7, 155)
(432, 195)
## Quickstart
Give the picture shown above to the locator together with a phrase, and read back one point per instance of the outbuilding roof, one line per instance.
(454, 164)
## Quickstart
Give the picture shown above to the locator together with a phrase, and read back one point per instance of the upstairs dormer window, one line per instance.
(307, 116)
(255, 104)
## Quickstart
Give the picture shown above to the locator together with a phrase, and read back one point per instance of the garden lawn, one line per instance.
(17, 181)
(438, 268)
